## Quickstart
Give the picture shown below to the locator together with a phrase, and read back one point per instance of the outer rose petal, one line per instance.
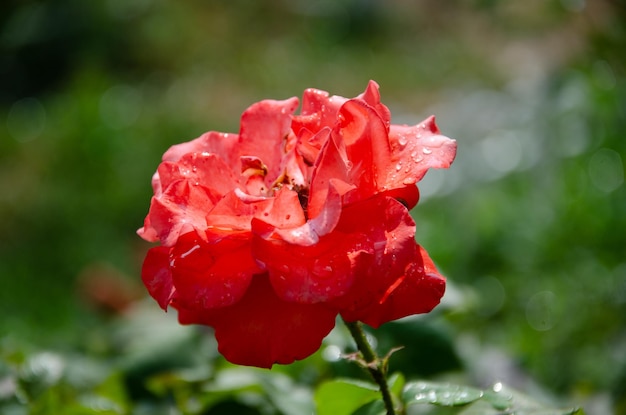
(415, 149)
(156, 276)
(200, 169)
(261, 329)
(392, 233)
(180, 209)
(212, 271)
(418, 291)
(223, 145)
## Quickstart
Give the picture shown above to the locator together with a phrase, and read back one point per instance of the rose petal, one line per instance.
(332, 164)
(261, 329)
(415, 149)
(237, 210)
(265, 127)
(316, 273)
(180, 209)
(364, 134)
(309, 232)
(211, 271)
(372, 97)
(417, 291)
(200, 169)
(156, 275)
(319, 110)
(223, 145)
(391, 231)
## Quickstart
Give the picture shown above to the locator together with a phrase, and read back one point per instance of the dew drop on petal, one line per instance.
(416, 157)
(402, 140)
(426, 150)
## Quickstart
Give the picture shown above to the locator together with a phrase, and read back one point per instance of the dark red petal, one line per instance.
(156, 275)
(417, 291)
(316, 273)
(265, 127)
(213, 270)
(391, 231)
(262, 330)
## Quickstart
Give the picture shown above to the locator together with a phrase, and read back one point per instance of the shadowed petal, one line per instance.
(156, 275)
(417, 291)
(391, 231)
(316, 273)
(213, 270)
(262, 330)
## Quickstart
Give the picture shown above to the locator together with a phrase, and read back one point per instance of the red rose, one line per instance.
(269, 234)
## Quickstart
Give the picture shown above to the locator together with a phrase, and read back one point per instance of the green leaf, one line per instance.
(396, 383)
(443, 394)
(502, 398)
(264, 388)
(344, 396)
(376, 407)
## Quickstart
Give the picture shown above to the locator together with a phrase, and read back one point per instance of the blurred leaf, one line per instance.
(260, 388)
(343, 396)
(376, 407)
(503, 398)
(396, 383)
(439, 393)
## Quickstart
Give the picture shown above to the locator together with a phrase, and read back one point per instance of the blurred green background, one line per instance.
(529, 225)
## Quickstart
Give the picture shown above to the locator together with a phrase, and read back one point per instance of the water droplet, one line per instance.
(399, 166)
(416, 157)
(402, 140)
(426, 150)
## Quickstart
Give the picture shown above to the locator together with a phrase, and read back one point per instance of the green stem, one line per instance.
(374, 365)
